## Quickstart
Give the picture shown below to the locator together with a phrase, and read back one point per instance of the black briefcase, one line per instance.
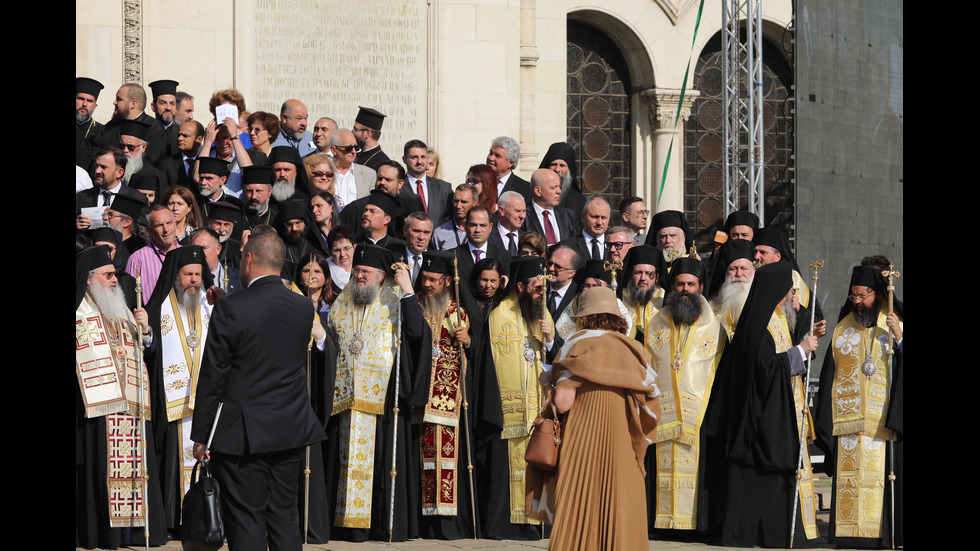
(201, 526)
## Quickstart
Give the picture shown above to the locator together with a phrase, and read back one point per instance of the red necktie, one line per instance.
(422, 195)
(549, 230)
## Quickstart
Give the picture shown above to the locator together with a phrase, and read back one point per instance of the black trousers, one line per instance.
(259, 494)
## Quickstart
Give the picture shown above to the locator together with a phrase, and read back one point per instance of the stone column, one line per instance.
(662, 106)
(529, 60)
(133, 42)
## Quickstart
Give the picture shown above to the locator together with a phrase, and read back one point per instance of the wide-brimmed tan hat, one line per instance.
(598, 300)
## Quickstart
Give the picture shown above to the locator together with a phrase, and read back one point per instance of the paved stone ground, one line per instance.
(822, 487)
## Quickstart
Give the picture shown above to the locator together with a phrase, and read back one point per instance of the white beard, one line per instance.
(282, 191)
(133, 165)
(110, 300)
(732, 297)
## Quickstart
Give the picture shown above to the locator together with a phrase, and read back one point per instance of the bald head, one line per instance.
(545, 188)
(293, 117)
(322, 132)
(343, 145)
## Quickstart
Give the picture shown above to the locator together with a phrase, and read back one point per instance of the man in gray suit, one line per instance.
(436, 194)
(352, 181)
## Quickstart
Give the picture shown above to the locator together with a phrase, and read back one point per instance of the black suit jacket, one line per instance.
(465, 264)
(496, 241)
(175, 173)
(90, 197)
(583, 247)
(255, 363)
(520, 185)
(568, 222)
(565, 300)
(439, 200)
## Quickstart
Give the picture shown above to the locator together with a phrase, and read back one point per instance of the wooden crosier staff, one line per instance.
(144, 476)
(816, 265)
(891, 274)
(395, 409)
(466, 404)
(309, 393)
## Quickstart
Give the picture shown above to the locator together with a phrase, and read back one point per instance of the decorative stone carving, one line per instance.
(662, 105)
(133, 41)
(675, 9)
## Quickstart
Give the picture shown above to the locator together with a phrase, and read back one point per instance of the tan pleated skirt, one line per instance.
(600, 498)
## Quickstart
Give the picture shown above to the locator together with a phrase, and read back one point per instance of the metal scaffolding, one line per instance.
(742, 68)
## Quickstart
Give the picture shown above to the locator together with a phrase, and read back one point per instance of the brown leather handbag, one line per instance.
(545, 441)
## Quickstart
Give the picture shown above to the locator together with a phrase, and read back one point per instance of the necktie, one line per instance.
(106, 198)
(422, 195)
(477, 254)
(596, 255)
(511, 244)
(549, 230)
(416, 264)
(553, 303)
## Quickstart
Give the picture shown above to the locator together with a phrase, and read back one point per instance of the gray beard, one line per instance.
(790, 316)
(110, 300)
(257, 208)
(683, 308)
(133, 165)
(282, 191)
(435, 306)
(638, 296)
(82, 118)
(190, 300)
(298, 136)
(732, 297)
(363, 296)
(566, 182)
(222, 237)
(207, 191)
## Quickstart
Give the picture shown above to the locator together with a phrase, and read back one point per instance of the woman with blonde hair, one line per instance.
(321, 170)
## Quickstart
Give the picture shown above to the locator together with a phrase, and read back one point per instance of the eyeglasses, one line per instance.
(318, 174)
(861, 297)
(130, 147)
(556, 267)
(617, 244)
(345, 148)
(107, 275)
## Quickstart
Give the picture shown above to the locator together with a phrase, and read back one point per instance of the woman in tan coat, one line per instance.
(604, 381)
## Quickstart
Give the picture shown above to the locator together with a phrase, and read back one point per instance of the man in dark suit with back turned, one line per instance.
(255, 364)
